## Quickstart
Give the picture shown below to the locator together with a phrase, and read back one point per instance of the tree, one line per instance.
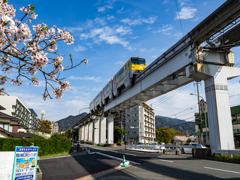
(118, 133)
(68, 133)
(46, 126)
(166, 134)
(30, 52)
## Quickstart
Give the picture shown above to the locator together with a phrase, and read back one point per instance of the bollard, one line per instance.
(164, 151)
(193, 152)
(124, 162)
(82, 149)
(177, 152)
(89, 151)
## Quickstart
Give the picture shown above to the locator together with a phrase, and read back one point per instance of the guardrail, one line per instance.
(231, 152)
(145, 148)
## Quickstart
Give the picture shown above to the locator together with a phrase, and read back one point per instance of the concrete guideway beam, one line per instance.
(110, 139)
(217, 96)
(103, 121)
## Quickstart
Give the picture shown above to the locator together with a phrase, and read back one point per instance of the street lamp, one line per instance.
(204, 116)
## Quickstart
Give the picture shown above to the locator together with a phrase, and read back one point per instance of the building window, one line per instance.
(128, 115)
(1, 125)
(6, 126)
(10, 128)
(135, 120)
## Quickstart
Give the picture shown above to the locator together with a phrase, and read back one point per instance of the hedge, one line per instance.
(47, 147)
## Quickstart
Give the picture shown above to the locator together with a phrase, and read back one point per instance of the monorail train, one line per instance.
(122, 80)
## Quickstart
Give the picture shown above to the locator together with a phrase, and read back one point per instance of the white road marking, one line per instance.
(163, 160)
(222, 170)
(131, 154)
(119, 159)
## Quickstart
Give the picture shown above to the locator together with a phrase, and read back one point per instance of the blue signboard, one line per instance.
(25, 163)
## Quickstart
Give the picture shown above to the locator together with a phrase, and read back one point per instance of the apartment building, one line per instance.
(14, 107)
(139, 122)
(235, 113)
(54, 127)
(35, 122)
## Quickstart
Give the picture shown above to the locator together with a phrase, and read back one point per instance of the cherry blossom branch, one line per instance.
(32, 56)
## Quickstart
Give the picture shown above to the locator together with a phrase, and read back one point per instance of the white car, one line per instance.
(156, 146)
(187, 147)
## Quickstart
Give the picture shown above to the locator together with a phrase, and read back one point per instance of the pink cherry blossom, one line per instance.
(85, 62)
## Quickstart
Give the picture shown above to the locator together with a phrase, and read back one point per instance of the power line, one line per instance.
(183, 110)
(170, 96)
(179, 17)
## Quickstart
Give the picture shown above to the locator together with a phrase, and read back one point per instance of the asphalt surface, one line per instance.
(152, 166)
(74, 166)
(170, 166)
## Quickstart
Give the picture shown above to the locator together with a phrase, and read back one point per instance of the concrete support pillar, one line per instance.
(96, 130)
(82, 132)
(90, 131)
(85, 132)
(79, 133)
(218, 105)
(219, 113)
(110, 139)
(102, 128)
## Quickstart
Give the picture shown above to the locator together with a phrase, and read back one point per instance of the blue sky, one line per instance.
(108, 33)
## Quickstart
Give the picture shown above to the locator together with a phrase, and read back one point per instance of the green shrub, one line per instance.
(54, 145)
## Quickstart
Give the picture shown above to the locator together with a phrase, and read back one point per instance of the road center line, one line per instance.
(222, 170)
(163, 160)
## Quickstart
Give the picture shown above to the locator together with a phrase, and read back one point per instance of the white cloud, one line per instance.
(164, 29)
(108, 35)
(96, 79)
(100, 21)
(139, 21)
(73, 29)
(130, 48)
(79, 48)
(161, 107)
(135, 37)
(120, 62)
(186, 13)
(123, 30)
(146, 50)
(96, 89)
(195, 19)
(54, 109)
(104, 8)
(120, 11)
(108, 5)
(110, 17)
(165, 1)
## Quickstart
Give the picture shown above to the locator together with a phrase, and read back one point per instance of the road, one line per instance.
(171, 166)
(152, 166)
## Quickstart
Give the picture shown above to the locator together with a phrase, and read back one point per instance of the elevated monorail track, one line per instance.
(222, 26)
(187, 61)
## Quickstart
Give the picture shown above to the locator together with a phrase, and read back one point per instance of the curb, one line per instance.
(215, 159)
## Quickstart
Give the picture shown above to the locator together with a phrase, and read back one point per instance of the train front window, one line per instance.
(138, 61)
(142, 61)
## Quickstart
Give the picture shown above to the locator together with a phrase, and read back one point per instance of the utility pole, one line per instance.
(200, 118)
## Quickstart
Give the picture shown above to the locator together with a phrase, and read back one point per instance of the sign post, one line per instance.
(25, 163)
